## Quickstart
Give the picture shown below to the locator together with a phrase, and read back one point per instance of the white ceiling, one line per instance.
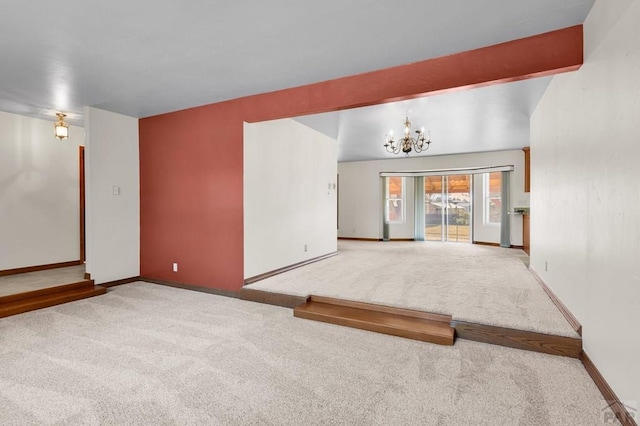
(491, 118)
(146, 57)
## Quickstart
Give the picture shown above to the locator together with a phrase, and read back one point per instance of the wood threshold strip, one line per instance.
(373, 319)
(571, 319)
(622, 412)
(382, 308)
(10, 298)
(39, 268)
(519, 339)
(44, 298)
(278, 271)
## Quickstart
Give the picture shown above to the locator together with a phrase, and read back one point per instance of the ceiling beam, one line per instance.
(536, 56)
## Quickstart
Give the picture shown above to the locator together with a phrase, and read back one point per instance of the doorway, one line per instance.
(448, 210)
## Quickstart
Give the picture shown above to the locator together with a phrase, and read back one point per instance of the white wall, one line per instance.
(289, 195)
(112, 221)
(39, 193)
(585, 222)
(360, 193)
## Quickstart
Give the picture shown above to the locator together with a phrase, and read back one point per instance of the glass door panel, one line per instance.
(458, 208)
(447, 208)
(433, 208)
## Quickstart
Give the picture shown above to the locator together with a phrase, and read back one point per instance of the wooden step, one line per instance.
(51, 296)
(406, 323)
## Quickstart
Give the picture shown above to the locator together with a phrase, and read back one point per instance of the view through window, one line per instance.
(447, 208)
(493, 198)
(395, 199)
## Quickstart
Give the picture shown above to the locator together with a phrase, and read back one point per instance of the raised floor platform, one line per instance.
(419, 325)
(37, 299)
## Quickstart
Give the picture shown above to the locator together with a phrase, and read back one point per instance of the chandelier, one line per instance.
(407, 144)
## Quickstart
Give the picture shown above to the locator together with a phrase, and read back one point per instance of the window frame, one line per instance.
(401, 200)
(488, 198)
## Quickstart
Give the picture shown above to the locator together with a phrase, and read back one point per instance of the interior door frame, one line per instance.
(82, 203)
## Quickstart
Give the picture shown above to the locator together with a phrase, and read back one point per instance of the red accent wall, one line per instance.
(191, 161)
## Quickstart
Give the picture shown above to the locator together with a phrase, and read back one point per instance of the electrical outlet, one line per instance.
(175, 267)
(546, 266)
(306, 247)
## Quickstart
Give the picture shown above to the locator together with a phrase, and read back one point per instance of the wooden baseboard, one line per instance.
(375, 239)
(87, 276)
(217, 292)
(265, 275)
(571, 319)
(120, 282)
(40, 267)
(624, 415)
(519, 339)
(482, 243)
(269, 298)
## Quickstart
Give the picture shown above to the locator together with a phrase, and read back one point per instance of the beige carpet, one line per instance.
(487, 285)
(145, 354)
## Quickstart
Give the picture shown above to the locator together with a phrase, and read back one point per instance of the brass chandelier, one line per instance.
(407, 144)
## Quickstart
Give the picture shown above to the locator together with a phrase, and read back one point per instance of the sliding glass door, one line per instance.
(447, 208)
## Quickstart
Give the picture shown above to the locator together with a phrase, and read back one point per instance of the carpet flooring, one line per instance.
(481, 284)
(145, 354)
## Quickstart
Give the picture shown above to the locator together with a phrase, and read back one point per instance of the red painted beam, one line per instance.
(537, 56)
(191, 194)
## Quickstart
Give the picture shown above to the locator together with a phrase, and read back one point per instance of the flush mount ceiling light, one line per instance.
(407, 144)
(61, 129)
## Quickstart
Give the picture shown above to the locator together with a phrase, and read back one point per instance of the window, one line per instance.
(394, 201)
(493, 198)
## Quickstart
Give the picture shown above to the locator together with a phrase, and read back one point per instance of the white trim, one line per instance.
(445, 172)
